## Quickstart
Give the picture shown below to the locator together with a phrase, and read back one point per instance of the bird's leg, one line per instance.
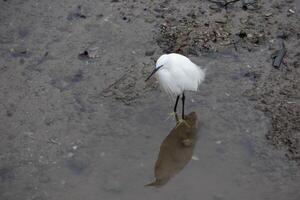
(175, 107)
(173, 114)
(183, 99)
(182, 120)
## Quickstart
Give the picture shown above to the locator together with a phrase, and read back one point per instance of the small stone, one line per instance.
(20, 52)
(149, 20)
(291, 11)
(75, 15)
(221, 20)
(90, 53)
(268, 14)
(93, 52)
(249, 35)
(243, 20)
(149, 52)
(75, 147)
(215, 7)
(99, 15)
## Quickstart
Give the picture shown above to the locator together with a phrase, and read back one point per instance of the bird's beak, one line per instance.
(153, 72)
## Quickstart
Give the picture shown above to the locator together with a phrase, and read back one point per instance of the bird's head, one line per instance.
(161, 62)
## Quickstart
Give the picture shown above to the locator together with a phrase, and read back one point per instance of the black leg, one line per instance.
(183, 98)
(175, 107)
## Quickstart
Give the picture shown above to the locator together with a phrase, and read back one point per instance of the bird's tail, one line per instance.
(202, 74)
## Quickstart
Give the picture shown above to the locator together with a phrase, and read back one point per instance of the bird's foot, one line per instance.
(173, 114)
(180, 121)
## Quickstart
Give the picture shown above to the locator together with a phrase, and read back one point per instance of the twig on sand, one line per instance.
(53, 141)
(234, 43)
(230, 2)
(114, 83)
(279, 56)
(224, 3)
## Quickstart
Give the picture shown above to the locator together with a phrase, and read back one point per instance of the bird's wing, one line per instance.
(194, 75)
(186, 75)
(168, 83)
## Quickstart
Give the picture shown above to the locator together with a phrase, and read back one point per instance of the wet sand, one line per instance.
(89, 127)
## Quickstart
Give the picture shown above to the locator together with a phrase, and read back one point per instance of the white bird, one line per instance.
(176, 74)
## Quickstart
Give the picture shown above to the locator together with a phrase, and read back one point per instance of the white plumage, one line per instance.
(178, 73)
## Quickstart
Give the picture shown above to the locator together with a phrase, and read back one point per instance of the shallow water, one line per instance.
(62, 138)
(176, 150)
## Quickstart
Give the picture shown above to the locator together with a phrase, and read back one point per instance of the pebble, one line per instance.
(218, 142)
(268, 14)
(221, 20)
(215, 7)
(75, 147)
(19, 52)
(149, 20)
(149, 52)
(291, 11)
(249, 35)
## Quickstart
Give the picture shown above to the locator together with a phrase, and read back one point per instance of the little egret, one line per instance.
(176, 74)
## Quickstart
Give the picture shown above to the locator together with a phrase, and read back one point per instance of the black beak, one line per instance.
(153, 72)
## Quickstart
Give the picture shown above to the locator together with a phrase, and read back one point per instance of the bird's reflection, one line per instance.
(176, 150)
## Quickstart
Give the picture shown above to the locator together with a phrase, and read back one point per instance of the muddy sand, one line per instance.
(79, 122)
